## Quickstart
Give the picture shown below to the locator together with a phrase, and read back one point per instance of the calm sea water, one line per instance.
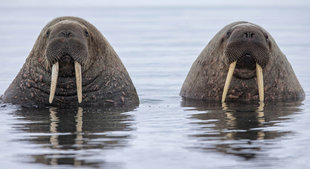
(157, 46)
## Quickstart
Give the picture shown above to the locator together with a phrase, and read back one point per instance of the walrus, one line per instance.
(72, 64)
(242, 63)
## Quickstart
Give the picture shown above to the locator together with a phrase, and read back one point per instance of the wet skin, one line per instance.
(72, 64)
(242, 63)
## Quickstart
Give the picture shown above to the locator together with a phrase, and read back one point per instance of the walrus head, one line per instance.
(66, 51)
(247, 51)
(242, 62)
(72, 64)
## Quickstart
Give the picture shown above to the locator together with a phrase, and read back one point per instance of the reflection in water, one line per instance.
(71, 137)
(240, 129)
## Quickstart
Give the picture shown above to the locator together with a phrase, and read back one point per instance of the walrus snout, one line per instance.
(245, 39)
(247, 51)
(67, 51)
(58, 47)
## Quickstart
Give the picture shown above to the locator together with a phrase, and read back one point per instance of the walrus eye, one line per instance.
(47, 33)
(267, 40)
(86, 33)
(228, 34)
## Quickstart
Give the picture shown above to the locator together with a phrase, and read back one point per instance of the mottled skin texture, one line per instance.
(207, 75)
(105, 79)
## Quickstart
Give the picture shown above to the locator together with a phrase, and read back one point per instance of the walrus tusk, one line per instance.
(260, 82)
(228, 79)
(78, 76)
(55, 70)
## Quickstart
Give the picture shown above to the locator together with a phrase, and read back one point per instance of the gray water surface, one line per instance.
(157, 45)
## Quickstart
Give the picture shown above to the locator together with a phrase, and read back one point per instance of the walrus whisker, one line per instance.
(54, 77)
(78, 76)
(260, 82)
(228, 79)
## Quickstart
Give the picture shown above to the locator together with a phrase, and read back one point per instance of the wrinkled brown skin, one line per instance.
(105, 79)
(206, 78)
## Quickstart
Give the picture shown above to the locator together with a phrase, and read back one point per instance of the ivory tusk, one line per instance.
(260, 82)
(54, 77)
(228, 79)
(78, 76)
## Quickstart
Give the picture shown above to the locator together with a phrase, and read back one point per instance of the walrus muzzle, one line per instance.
(73, 51)
(236, 53)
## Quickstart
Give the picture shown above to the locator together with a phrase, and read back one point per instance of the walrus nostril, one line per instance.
(65, 34)
(248, 35)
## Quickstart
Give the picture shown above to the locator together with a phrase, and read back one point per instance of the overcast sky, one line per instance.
(131, 3)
